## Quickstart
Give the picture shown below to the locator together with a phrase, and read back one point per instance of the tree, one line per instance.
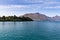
(3, 18)
(15, 18)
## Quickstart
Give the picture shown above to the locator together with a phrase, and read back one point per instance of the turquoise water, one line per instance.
(30, 30)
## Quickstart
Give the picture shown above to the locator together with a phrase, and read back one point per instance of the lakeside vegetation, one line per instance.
(15, 18)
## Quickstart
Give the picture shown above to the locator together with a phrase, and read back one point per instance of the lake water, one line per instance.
(30, 30)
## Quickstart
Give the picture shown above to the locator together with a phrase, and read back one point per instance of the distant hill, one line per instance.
(37, 16)
(56, 18)
(41, 17)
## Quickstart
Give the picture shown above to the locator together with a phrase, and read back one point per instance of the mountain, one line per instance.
(56, 18)
(37, 16)
(41, 17)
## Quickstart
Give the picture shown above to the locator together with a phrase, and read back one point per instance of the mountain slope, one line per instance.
(56, 18)
(41, 17)
(37, 16)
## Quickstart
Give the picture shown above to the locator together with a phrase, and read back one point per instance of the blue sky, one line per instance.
(20, 7)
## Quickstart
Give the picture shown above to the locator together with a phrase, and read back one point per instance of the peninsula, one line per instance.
(15, 18)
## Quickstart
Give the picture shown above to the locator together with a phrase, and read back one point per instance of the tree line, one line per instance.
(15, 18)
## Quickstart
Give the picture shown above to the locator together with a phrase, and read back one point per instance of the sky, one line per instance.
(20, 7)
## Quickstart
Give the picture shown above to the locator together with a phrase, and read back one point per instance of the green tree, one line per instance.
(3, 18)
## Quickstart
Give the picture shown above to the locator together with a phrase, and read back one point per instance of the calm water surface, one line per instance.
(30, 30)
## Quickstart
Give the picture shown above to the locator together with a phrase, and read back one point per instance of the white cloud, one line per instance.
(52, 7)
(11, 6)
(34, 1)
(52, 3)
(45, 4)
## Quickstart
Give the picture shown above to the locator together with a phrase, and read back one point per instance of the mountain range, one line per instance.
(41, 17)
